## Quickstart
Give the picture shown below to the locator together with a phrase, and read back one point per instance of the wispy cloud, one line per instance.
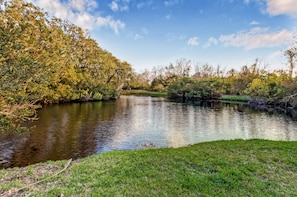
(79, 12)
(277, 7)
(83, 5)
(115, 25)
(246, 1)
(211, 41)
(144, 31)
(171, 37)
(114, 6)
(118, 5)
(168, 17)
(144, 4)
(193, 41)
(275, 55)
(137, 37)
(171, 2)
(140, 35)
(254, 23)
(258, 38)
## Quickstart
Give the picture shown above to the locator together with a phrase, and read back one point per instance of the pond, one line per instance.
(77, 130)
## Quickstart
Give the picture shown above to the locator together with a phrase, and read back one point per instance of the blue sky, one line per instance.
(148, 33)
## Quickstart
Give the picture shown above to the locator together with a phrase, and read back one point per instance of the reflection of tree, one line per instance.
(8, 144)
(66, 131)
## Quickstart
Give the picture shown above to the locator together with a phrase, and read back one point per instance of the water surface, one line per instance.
(80, 129)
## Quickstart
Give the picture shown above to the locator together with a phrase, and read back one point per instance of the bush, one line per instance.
(97, 96)
(189, 89)
(269, 86)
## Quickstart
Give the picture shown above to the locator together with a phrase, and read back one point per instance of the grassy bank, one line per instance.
(235, 98)
(229, 98)
(144, 93)
(223, 168)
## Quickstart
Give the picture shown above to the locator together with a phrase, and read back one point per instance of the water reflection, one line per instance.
(78, 130)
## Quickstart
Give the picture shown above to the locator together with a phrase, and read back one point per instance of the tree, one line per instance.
(166, 75)
(46, 60)
(291, 55)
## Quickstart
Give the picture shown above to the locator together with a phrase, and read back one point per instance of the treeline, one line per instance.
(211, 82)
(48, 60)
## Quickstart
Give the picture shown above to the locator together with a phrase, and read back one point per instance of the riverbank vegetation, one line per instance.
(254, 81)
(47, 60)
(227, 168)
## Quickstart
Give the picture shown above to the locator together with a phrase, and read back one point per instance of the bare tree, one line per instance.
(291, 54)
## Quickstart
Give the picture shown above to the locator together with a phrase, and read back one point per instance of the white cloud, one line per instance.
(125, 8)
(53, 7)
(258, 38)
(108, 21)
(168, 17)
(277, 7)
(193, 41)
(116, 25)
(171, 2)
(118, 5)
(85, 20)
(254, 23)
(114, 6)
(103, 21)
(79, 12)
(211, 41)
(137, 37)
(144, 4)
(83, 5)
(246, 1)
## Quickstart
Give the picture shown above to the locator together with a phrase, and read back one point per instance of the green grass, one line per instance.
(235, 98)
(222, 168)
(144, 93)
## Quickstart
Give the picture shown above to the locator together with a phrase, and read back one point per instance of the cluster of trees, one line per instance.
(160, 77)
(48, 60)
(187, 88)
(209, 82)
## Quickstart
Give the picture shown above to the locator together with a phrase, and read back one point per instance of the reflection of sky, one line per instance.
(168, 124)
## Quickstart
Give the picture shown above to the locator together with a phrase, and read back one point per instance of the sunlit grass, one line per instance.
(144, 93)
(239, 98)
(223, 168)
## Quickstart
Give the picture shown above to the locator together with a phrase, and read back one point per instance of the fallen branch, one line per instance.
(35, 183)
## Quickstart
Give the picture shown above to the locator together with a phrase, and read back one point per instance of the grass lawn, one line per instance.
(222, 168)
(144, 93)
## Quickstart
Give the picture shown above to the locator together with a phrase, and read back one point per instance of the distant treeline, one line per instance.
(210, 82)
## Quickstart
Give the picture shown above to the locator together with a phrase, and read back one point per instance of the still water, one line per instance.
(80, 129)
